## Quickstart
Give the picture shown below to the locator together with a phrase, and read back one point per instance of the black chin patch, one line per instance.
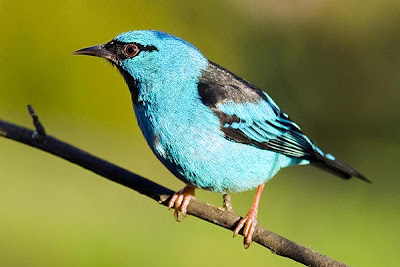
(132, 84)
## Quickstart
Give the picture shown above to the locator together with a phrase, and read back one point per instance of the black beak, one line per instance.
(97, 51)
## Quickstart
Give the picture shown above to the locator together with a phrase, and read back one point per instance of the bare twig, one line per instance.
(224, 218)
(40, 133)
(227, 202)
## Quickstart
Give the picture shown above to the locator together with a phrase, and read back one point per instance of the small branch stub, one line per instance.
(40, 132)
(227, 202)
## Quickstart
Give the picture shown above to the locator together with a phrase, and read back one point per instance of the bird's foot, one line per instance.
(180, 200)
(248, 224)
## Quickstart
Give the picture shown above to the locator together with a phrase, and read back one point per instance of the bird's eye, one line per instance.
(131, 50)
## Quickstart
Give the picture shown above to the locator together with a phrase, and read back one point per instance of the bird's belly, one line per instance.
(202, 156)
(224, 165)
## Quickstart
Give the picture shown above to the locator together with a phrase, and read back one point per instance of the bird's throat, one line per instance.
(132, 84)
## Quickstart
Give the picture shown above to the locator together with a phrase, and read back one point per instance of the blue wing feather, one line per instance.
(250, 116)
(262, 124)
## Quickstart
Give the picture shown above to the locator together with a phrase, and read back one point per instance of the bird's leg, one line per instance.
(227, 202)
(180, 200)
(250, 221)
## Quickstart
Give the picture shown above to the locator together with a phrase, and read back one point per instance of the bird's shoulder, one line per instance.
(228, 95)
(218, 85)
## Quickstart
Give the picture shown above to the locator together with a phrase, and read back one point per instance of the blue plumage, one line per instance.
(209, 127)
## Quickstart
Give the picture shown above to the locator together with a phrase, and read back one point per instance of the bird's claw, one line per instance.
(248, 224)
(180, 200)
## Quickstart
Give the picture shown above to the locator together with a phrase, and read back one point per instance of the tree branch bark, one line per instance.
(226, 219)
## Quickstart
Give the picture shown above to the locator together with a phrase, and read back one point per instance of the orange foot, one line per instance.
(180, 200)
(250, 221)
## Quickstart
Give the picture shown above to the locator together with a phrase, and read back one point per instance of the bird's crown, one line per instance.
(158, 39)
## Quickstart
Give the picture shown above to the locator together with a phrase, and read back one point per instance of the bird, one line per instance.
(209, 127)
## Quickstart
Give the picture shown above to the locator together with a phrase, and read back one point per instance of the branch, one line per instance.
(226, 219)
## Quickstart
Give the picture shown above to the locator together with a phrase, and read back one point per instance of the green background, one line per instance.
(333, 66)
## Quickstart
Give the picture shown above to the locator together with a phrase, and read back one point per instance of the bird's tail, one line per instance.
(341, 169)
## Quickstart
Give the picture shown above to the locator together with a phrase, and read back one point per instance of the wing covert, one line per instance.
(248, 115)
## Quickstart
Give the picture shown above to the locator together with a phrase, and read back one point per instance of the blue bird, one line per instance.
(212, 129)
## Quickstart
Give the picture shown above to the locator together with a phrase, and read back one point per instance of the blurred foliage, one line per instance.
(333, 66)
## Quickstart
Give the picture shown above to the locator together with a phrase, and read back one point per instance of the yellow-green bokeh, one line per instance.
(333, 66)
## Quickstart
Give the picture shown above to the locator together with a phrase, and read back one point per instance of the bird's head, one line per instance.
(150, 56)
